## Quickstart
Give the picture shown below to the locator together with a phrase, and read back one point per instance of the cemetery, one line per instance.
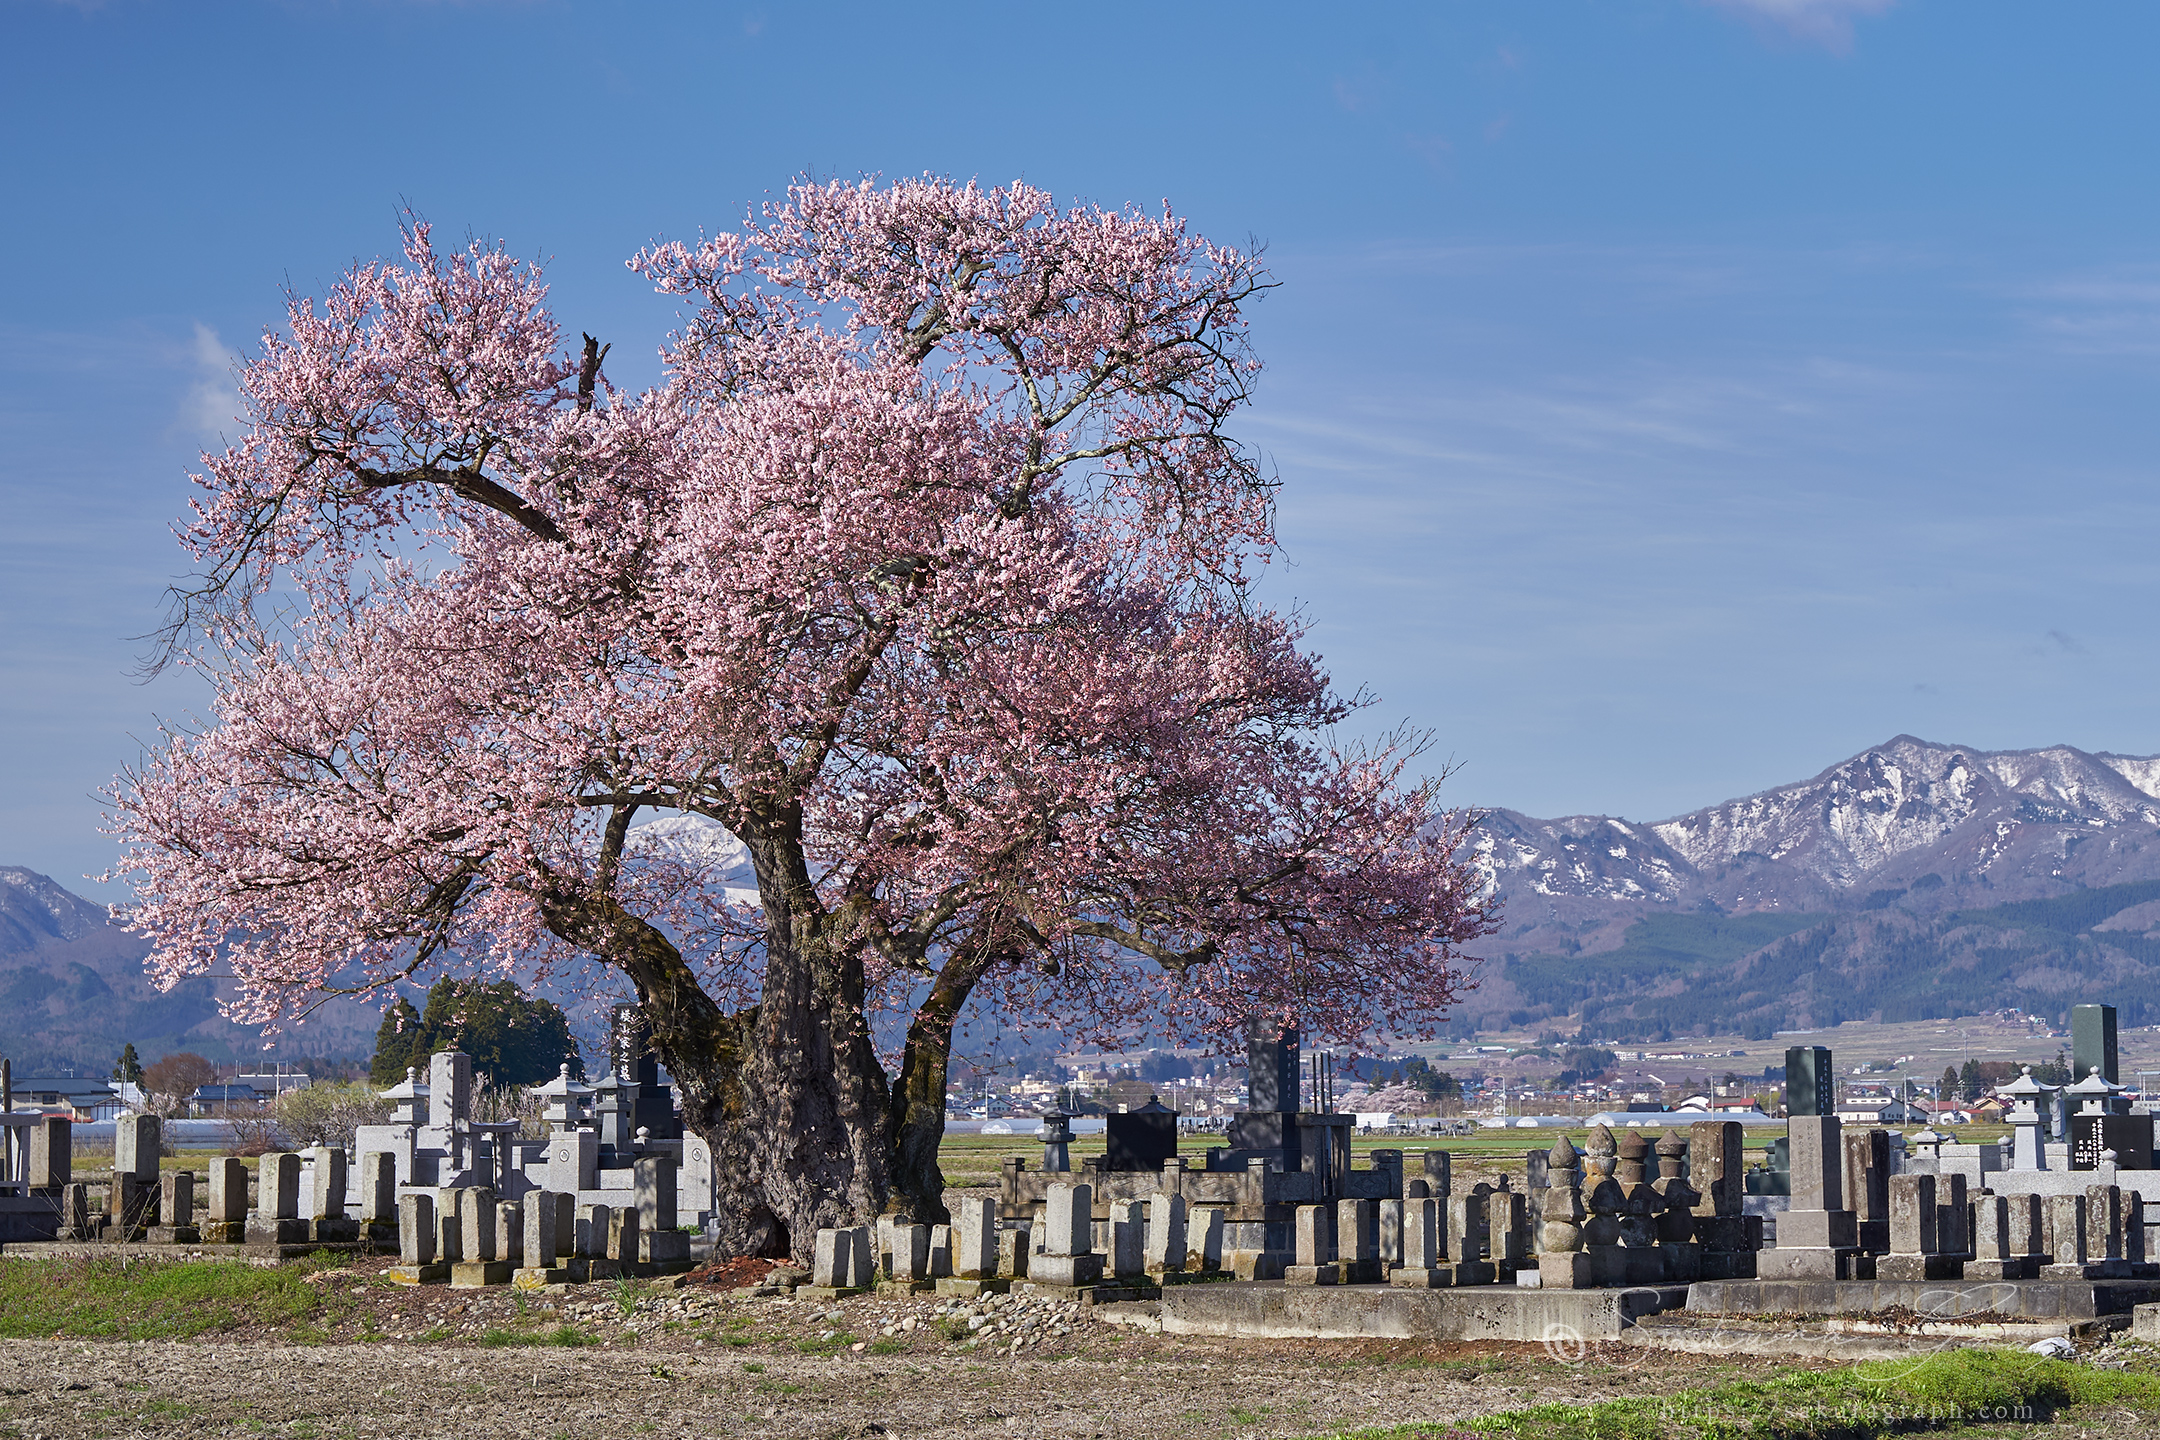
(1642, 1250)
(1276, 1233)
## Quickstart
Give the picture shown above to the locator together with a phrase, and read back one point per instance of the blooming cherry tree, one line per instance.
(927, 573)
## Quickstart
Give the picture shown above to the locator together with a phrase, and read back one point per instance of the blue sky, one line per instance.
(1672, 397)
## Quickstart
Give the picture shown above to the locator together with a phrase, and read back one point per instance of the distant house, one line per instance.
(272, 1083)
(224, 1099)
(77, 1096)
(1877, 1111)
(1719, 1105)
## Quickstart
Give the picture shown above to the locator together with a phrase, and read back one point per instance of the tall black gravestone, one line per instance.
(630, 1057)
(1267, 1128)
(1810, 1083)
(2092, 1043)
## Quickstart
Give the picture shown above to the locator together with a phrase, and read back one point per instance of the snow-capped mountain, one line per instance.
(35, 911)
(1908, 816)
(702, 845)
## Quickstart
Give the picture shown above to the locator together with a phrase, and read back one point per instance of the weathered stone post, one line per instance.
(540, 1263)
(1818, 1237)
(2104, 1223)
(1422, 1266)
(2067, 1238)
(1995, 1245)
(1915, 1244)
(1561, 1263)
(226, 1223)
(1357, 1243)
(138, 1141)
(1068, 1256)
(176, 1211)
(1315, 1256)
(1469, 1231)
(377, 1184)
(975, 1235)
(1677, 1249)
(276, 1217)
(1867, 1187)
(1166, 1248)
(326, 1198)
(418, 1231)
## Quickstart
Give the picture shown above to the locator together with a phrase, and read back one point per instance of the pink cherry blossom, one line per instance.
(927, 573)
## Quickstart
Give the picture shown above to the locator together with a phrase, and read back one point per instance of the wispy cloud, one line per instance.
(1828, 23)
(213, 399)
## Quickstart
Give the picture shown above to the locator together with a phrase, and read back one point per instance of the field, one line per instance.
(104, 1348)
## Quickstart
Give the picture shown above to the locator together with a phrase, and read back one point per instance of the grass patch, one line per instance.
(1944, 1391)
(826, 1345)
(128, 1299)
(567, 1336)
(886, 1347)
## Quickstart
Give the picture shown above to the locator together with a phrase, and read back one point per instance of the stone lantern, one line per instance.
(1056, 1138)
(2028, 1151)
(2096, 1093)
(409, 1101)
(567, 1102)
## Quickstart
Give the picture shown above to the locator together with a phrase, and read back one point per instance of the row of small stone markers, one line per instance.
(1853, 1220)
(145, 1206)
(468, 1238)
(1156, 1240)
(1601, 1219)
(1937, 1233)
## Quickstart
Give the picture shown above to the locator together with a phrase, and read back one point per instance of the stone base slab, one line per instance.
(1789, 1262)
(1388, 1312)
(584, 1271)
(1910, 1269)
(1258, 1264)
(1311, 1275)
(173, 1235)
(534, 1277)
(1067, 1271)
(474, 1274)
(276, 1232)
(829, 1292)
(2042, 1299)
(1564, 1271)
(1476, 1272)
(1406, 1278)
(2022, 1267)
(1104, 1294)
(970, 1289)
(435, 1274)
(225, 1232)
(902, 1289)
(334, 1229)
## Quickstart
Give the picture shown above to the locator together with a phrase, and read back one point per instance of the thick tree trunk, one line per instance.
(918, 1097)
(805, 1130)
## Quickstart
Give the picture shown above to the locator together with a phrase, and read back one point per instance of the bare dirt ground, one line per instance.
(410, 1364)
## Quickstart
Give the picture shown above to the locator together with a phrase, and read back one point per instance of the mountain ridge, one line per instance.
(1873, 856)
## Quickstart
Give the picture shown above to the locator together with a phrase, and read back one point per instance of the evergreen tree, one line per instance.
(513, 1040)
(1948, 1090)
(129, 1069)
(398, 1044)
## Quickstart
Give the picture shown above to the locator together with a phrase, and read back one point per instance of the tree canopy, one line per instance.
(513, 1039)
(927, 573)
